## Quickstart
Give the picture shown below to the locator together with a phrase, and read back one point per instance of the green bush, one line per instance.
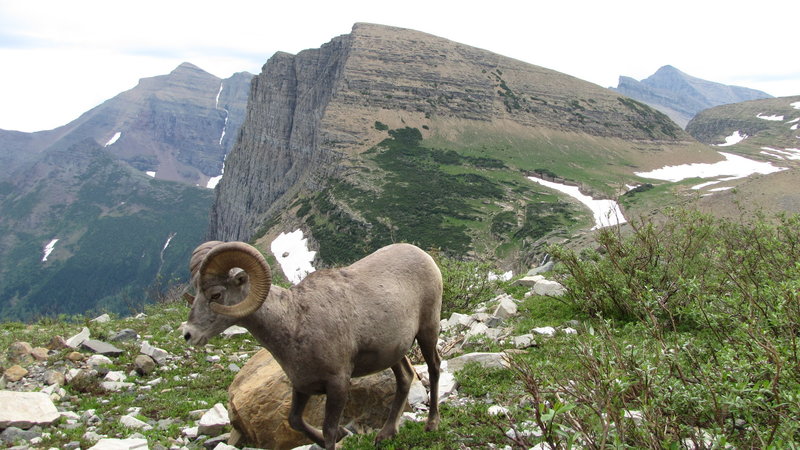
(466, 284)
(694, 341)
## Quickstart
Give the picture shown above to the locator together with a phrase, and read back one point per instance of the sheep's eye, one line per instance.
(216, 297)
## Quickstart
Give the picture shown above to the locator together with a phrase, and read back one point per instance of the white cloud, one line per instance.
(66, 57)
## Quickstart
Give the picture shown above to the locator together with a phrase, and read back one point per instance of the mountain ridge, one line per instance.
(681, 96)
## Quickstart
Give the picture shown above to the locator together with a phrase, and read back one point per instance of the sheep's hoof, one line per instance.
(384, 434)
(432, 425)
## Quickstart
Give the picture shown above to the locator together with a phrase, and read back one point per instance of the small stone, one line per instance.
(19, 352)
(98, 362)
(528, 281)
(125, 335)
(544, 331)
(115, 386)
(233, 368)
(77, 340)
(115, 376)
(100, 347)
(488, 360)
(104, 318)
(57, 343)
(120, 444)
(496, 410)
(160, 356)
(54, 377)
(191, 432)
(144, 365)
(15, 373)
(218, 442)
(524, 341)
(506, 308)
(549, 288)
(133, 422)
(75, 356)
(569, 330)
(92, 436)
(213, 358)
(214, 420)
(40, 354)
(13, 435)
(417, 396)
(234, 331)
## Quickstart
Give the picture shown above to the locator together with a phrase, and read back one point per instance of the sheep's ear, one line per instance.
(189, 298)
(240, 278)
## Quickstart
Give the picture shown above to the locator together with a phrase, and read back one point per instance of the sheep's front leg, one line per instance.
(296, 420)
(336, 393)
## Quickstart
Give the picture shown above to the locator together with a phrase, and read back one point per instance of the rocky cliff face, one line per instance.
(313, 114)
(681, 96)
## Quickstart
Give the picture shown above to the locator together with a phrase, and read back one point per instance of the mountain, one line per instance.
(101, 213)
(760, 129)
(179, 126)
(681, 96)
(387, 134)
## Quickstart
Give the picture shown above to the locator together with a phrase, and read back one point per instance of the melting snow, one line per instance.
(788, 153)
(606, 212)
(113, 138)
(213, 181)
(733, 139)
(151, 173)
(734, 166)
(49, 249)
(291, 251)
(772, 117)
(795, 105)
(500, 276)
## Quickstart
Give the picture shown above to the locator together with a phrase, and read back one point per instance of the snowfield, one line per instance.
(772, 117)
(733, 139)
(733, 167)
(606, 212)
(291, 251)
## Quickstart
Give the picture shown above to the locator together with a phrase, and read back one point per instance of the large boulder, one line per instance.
(26, 409)
(261, 394)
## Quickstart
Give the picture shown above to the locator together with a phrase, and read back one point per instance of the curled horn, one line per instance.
(223, 257)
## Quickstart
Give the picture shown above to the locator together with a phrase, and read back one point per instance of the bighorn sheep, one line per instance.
(334, 325)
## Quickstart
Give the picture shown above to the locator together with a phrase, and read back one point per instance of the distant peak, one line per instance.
(186, 66)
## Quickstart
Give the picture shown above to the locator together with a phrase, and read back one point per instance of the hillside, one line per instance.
(392, 134)
(681, 96)
(93, 196)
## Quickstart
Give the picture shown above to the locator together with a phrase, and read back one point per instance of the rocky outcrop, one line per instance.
(681, 96)
(310, 115)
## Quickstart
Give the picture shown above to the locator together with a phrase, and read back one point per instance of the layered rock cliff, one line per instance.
(312, 114)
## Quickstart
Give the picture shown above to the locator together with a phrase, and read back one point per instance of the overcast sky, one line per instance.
(61, 58)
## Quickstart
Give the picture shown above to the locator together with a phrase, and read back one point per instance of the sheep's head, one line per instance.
(231, 281)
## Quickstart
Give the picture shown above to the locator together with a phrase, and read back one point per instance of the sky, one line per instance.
(60, 58)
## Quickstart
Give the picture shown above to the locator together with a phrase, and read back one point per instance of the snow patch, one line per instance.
(734, 166)
(795, 105)
(786, 153)
(49, 249)
(773, 117)
(794, 120)
(291, 251)
(151, 173)
(500, 276)
(213, 181)
(733, 139)
(606, 212)
(113, 139)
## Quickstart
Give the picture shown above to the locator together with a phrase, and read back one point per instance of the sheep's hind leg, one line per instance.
(336, 393)
(404, 374)
(427, 344)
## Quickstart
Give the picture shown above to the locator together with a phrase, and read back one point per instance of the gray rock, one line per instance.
(216, 441)
(19, 353)
(544, 331)
(417, 396)
(129, 421)
(104, 318)
(26, 409)
(144, 365)
(506, 308)
(125, 335)
(524, 341)
(528, 281)
(544, 268)
(77, 340)
(484, 359)
(14, 435)
(102, 348)
(160, 356)
(54, 377)
(120, 444)
(214, 420)
(549, 288)
(100, 363)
